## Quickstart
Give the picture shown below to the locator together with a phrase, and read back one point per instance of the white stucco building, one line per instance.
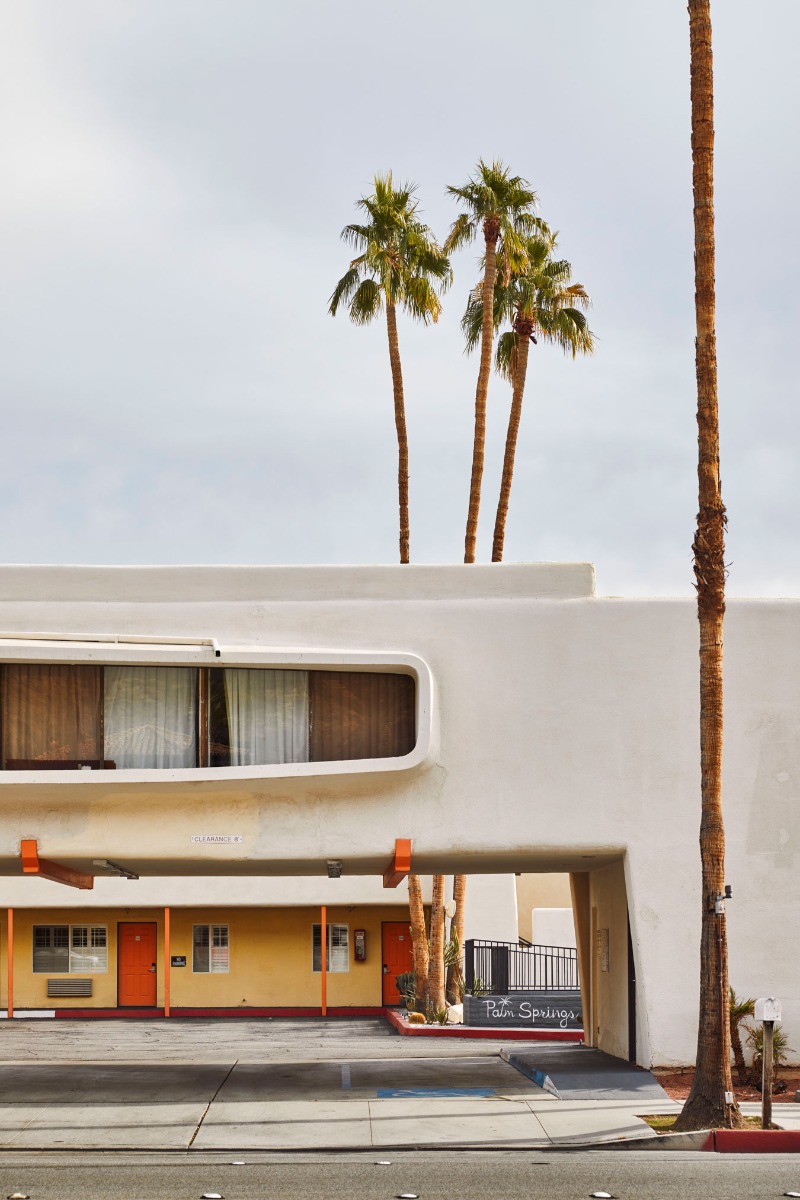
(502, 718)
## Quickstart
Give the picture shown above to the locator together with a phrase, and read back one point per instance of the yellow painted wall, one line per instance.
(545, 890)
(270, 958)
(610, 906)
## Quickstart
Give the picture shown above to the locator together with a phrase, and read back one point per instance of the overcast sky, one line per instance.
(175, 177)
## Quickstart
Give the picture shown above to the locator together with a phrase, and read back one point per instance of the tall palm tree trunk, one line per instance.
(491, 231)
(419, 937)
(454, 975)
(400, 426)
(523, 330)
(435, 992)
(707, 1105)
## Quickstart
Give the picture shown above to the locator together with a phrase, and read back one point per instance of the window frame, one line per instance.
(329, 927)
(71, 970)
(209, 926)
(110, 653)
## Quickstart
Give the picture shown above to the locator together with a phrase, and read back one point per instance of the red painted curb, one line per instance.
(471, 1031)
(757, 1141)
(156, 1013)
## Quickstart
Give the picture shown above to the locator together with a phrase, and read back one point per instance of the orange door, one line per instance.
(137, 965)
(397, 958)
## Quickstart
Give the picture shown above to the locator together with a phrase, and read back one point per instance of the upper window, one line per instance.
(72, 717)
(61, 949)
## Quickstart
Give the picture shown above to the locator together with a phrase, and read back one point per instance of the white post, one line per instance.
(768, 1011)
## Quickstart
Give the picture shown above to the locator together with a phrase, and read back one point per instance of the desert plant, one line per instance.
(479, 988)
(454, 969)
(406, 986)
(737, 1011)
(780, 1046)
(436, 1016)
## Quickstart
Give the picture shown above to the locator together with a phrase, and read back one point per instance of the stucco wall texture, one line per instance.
(563, 736)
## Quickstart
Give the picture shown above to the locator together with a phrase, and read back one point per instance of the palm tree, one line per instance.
(541, 303)
(400, 265)
(710, 1102)
(503, 207)
(455, 974)
(435, 997)
(419, 939)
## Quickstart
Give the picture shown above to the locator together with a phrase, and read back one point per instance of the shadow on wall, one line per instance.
(776, 791)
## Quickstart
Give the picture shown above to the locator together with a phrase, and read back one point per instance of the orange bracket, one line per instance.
(33, 865)
(400, 865)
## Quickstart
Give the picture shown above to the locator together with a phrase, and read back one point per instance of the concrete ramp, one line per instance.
(582, 1073)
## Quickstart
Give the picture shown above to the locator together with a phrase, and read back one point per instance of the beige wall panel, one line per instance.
(608, 898)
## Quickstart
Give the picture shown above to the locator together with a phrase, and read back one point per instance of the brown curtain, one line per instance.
(51, 714)
(357, 714)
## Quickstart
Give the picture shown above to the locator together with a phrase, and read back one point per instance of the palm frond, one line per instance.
(421, 301)
(344, 289)
(506, 355)
(366, 302)
(400, 259)
(356, 235)
(472, 322)
(462, 232)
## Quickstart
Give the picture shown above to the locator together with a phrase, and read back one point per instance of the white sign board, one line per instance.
(217, 839)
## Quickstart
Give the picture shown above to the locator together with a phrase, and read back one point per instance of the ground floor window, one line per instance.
(338, 939)
(63, 949)
(210, 949)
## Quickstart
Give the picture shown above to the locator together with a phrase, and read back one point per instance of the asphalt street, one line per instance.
(431, 1176)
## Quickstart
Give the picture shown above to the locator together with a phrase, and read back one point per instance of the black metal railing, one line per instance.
(498, 968)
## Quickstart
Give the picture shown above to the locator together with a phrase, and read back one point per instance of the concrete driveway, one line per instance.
(294, 1084)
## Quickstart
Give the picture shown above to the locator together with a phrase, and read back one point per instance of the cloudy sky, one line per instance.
(175, 177)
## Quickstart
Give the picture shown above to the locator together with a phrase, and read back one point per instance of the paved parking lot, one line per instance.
(280, 1084)
(233, 1039)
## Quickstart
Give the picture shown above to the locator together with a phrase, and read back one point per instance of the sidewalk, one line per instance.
(477, 1103)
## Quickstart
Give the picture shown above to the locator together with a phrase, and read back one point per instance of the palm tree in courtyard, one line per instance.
(502, 207)
(435, 992)
(542, 304)
(419, 939)
(399, 265)
(710, 1103)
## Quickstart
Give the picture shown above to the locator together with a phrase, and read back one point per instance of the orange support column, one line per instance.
(167, 962)
(323, 931)
(10, 950)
